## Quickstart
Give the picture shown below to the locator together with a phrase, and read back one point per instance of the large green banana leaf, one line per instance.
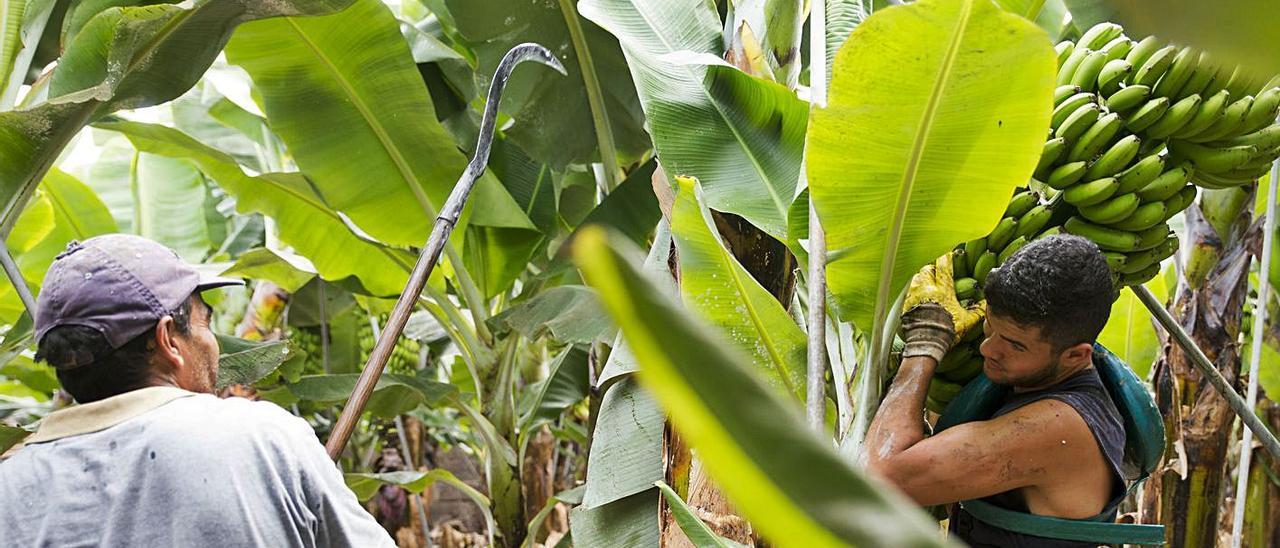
(803, 496)
(73, 213)
(174, 206)
(304, 221)
(1235, 30)
(749, 133)
(344, 95)
(938, 110)
(551, 117)
(1130, 332)
(124, 58)
(725, 294)
(11, 14)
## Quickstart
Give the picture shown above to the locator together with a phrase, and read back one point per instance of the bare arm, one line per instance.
(1035, 445)
(899, 424)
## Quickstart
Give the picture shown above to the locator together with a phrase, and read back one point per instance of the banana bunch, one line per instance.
(1137, 128)
(404, 356)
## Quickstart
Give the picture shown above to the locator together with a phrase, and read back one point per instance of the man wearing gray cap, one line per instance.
(149, 457)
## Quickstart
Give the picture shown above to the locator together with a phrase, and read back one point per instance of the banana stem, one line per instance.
(1207, 369)
(815, 392)
(595, 96)
(1255, 359)
(16, 279)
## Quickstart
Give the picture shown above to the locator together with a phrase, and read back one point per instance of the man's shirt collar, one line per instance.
(103, 414)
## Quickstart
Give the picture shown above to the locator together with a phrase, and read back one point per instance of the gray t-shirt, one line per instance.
(165, 467)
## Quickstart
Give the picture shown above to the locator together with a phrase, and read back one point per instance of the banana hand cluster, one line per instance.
(1137, 128)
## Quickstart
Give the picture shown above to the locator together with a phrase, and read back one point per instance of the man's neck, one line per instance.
(1063, 373)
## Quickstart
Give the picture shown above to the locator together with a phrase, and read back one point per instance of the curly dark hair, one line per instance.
(90, 370)
(1061, 284)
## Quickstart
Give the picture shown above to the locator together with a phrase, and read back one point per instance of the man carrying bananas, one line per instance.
(1055, 446)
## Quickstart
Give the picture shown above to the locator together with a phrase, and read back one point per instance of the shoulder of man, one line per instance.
(226, 420)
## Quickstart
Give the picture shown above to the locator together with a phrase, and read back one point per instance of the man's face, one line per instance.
(199, 349)
(1016, 355)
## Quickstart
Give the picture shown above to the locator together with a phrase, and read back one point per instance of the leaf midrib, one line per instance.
(888, 262)
(56, 199)
(702, 87)
(388, 146)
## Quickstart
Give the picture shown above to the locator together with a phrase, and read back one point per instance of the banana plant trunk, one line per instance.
(1186, 493)
(1262, 510)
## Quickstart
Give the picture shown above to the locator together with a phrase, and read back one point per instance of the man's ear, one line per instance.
(1077, 355)
(166, 345)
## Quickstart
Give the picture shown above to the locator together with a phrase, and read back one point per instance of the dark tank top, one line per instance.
(1085, 393)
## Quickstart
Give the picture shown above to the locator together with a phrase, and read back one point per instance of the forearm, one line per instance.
(899, 424)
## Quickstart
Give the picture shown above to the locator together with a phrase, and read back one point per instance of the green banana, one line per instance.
(1050, 232)
(1096, 137)
(1146, 216)
(1180, 201)
(1178, 115)
(1061, 93)
(1002, 234)
(1233, 118)
(1112, 75)
(1099, 34)
(1106, 238)
(959, 264)
(1012, 248)
(1262, 113)
(1066, 175)
(1091, 193)
(986, 262)
(1021, 203)
(1137, 175)
(1112, 210)
(1264, 140)
(943, 391)
(1143, 50)
(1147, 114)
(966, 288)
(1086, 75)
(1231, 179)
(1209, 112)
(1030, 223)
(1219, 81)
(1140, 277)
(1201, 77)
(973, 250)
(1180, 70)
(970, 368)
(1079, 122)
(1069, 106)
(1127, 98)
(1115, 158)
(1053, 150)
(1115, 260)
(1064, 50)
(959, 355)
(1068, 69)
(1239, 83)
(1149, 72)
(1167, 184)
(1141, 260)
(1213, 159)
(1117, 48)
(1152, 237)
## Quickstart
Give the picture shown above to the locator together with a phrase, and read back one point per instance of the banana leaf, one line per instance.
(246, 362)
(803, 496)
(1130, 332)
(551, 116)
(124, 58)
(286, 270)
(11, 17)
(1230, 29)
(305, 222)
(747, 149)
(24, 24)
(11, 436)
(569, 314)
(716, 286)
(393, 395)
(77, 215)
(937, 112)
(344, 95)
(698, 533)
(172, 204)
(566, 384)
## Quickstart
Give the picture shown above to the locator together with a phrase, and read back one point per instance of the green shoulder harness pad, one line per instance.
(1144, 443)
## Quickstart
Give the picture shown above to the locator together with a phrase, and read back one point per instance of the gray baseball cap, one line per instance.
(118, 284)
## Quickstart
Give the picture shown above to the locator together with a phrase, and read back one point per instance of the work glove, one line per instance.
(933, 319)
